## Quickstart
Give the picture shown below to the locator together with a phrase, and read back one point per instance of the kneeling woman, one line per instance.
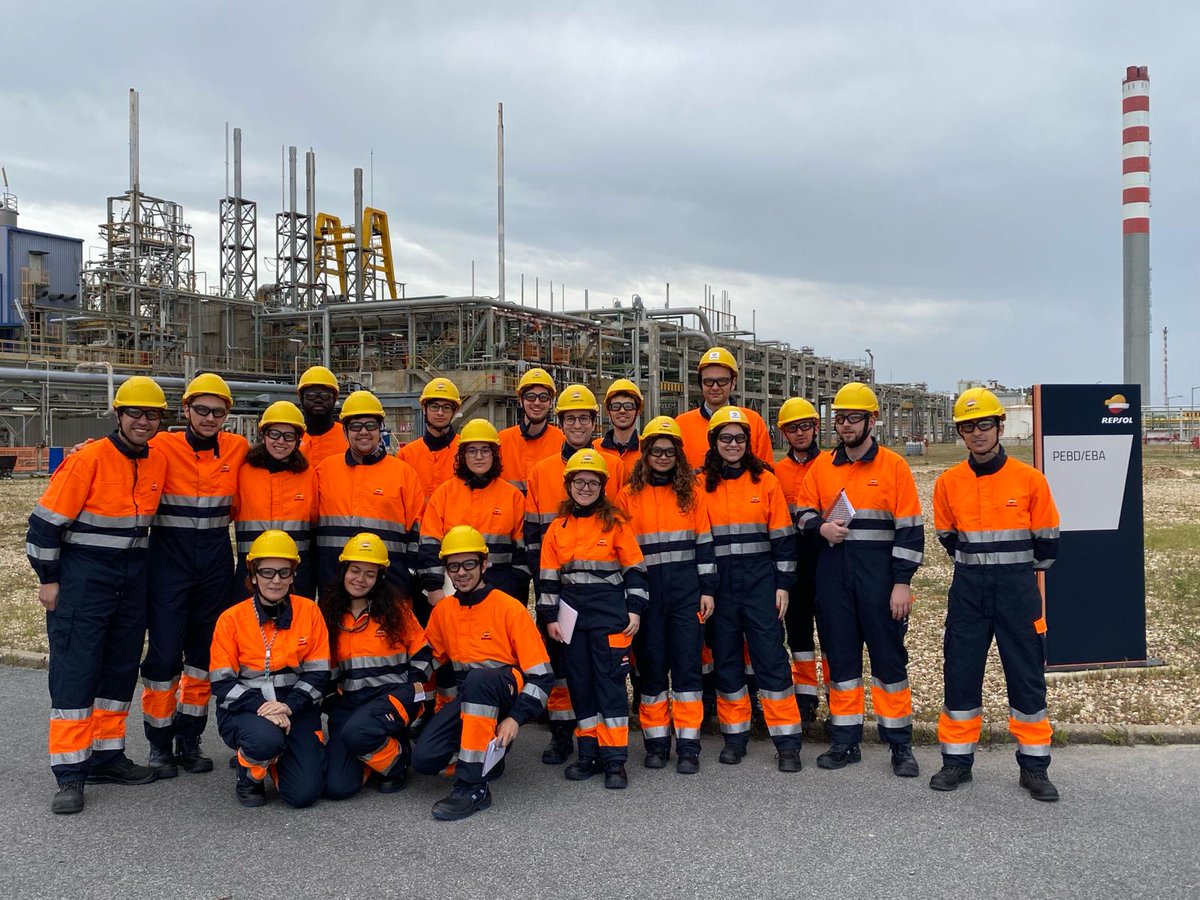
(269, 671)
(590, 561)
(755, 546)
(381, 662)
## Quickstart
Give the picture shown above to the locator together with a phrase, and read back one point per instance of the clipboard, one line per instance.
(567, 617)
(494, 753)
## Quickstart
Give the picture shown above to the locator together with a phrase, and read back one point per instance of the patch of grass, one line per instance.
(1180, 538)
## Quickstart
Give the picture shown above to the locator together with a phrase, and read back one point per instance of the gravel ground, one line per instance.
(1156, 696)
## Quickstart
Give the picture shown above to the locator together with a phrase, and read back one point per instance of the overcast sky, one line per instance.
(939, 182)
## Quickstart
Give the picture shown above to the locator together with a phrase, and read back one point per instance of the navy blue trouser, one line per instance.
(667, 651)
(597, 665)
(359, 744)
(486, 696)
(298, 756)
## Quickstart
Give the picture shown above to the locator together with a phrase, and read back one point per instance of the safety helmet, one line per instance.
(441, 389)
(856, 396)
(479, 430)
(662, 426)
(361, 403)
(282, 412)
(536, 378)
(208, 383)
(317, 376)
(624, 386)
(728, 415)
(796, 409)
(977, 403)
(586, 460)
(140, 390)
(273, 544)
(367, 548)
(576, 398)
(718, 356)
(462, 539)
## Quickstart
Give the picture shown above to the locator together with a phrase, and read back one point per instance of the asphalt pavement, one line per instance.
(1126, 827)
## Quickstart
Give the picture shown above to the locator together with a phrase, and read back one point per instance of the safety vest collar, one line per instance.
(200, 444)
(523, 428)
(840, 458)
(437, 442)
(475, 597)
(125, 450)
(992, 466)
(282, 618)
(810, 454)
(354, 460)
(610, 442)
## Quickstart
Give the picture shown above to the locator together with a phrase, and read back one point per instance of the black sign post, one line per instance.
(1087, 441)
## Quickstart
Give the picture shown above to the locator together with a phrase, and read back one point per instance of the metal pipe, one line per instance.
(358, 235)
(310, 209)
(54, 376)
(500, 190)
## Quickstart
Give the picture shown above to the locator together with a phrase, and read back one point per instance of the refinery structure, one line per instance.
(70, 330)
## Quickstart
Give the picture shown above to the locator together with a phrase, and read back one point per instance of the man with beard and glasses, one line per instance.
(717, 375)
(432, 455)
(533, 438)
(623, 402)
(318, 391)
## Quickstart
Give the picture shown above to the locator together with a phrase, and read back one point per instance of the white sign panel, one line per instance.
(1087, 476)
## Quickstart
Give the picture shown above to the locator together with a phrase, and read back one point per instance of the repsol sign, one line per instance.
(1116, 420)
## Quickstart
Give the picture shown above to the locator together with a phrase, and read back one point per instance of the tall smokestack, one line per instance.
(1135, 215)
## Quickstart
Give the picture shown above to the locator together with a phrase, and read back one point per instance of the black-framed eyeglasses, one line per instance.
(850, 418)
(467, 565)
(586, 484)
(662, 452)
(150, 415)
(274, 434)
(318, 394)
(283, 573)
(204, 412)
(622, 406)
(580, 419)
(716, 382)
(978, 424)
(483, 450)
(806, 425)
(537, 396)
(440, 406)
(356, 427)
(739, 438)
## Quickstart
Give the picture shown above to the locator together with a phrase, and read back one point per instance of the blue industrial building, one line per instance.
(38, 273)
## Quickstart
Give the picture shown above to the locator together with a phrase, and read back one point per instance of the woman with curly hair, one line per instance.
(665, 508)
(479, 497)
(755, 546)
(381, 662)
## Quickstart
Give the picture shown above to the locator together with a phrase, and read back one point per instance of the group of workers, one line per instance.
(390, 593)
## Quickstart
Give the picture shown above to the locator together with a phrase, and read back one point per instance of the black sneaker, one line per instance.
(948, 778)
(904, 764)
(68, 800)
(731, 754)
(560, 747)
(394, 782)
(123, 770)
(788, 760)
(162, 761)
(250, 793)
(615, 777)
(190, 757)
(1038, 784)
(655, 759)
(839, 756)
(687, 765)
(462, 801)
(582, 769)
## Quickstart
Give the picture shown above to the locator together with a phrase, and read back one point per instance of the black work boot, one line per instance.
(559, 750)
(122, 770)
(1038, 784)
(582, 769)
(190, 757)
(162, 761)
(394, 781)
(839, 756)
(788, 761)
(904, 764)
(732, 754)
(462, 801)
(615, 777)
(68, 799)
(948, 778)
(656, 758)
(687, 765)
(250, 793)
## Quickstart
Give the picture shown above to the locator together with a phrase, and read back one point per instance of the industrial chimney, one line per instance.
(1135, 215)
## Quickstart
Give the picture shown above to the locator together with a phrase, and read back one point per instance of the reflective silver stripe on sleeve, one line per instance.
(910, 555)
(1008, 558)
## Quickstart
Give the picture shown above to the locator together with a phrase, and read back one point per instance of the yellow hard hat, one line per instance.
(718, 356)
(282, 412)
(317, 376)
(479, 430)
(728, 415)
(535, 378)
(586, 460)
(796, 409)
(662, 426)
(273, 544)
(441, 389)
(361, 403)
(140, 390)
(856, 396)
(462, 539)
(977, 403)
(365, 547)
(208, 383)
(576, 397)
(623, 386)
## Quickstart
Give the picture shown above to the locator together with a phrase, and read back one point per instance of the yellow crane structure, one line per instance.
(336, 245)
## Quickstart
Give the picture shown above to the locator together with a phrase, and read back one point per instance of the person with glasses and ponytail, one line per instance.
(380, 662)
(270, 671)
(275, 490)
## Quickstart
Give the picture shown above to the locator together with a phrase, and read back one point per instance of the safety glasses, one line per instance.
(622, 406)
(150, 415)
(716, 382)
(467, 565)
(739, 438)
(283, 574)
(662, 452)
(850, 418)
(978, 424)
(274, 434)
(205, 412)
(356, 427)
(793, 427)
(537, 396)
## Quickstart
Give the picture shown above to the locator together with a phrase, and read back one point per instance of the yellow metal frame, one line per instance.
(332, 239)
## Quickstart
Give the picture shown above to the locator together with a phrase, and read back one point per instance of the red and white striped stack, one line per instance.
(1135, 138)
